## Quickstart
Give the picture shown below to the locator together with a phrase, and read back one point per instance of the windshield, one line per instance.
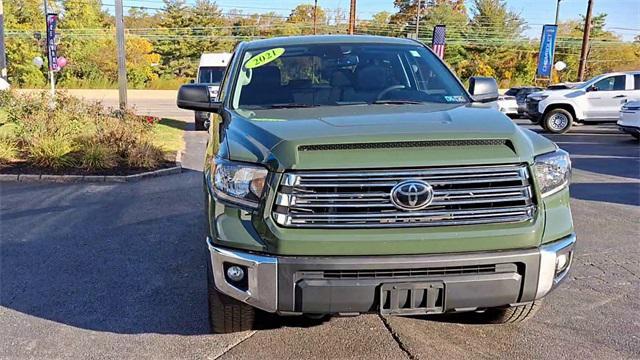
(589, 82)
(333, 75)
(210, 75)
(512, 92)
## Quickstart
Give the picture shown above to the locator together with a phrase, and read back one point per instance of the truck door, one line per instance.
(605, 97)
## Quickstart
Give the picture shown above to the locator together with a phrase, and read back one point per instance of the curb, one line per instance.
(94, 178)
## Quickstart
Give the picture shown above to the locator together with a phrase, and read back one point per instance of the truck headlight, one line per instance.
(553, 171)
(238, 183)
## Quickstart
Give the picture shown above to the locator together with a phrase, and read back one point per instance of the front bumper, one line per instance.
(532, 110)
(351, 284)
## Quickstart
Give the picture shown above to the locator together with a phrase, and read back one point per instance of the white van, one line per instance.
(210, 71)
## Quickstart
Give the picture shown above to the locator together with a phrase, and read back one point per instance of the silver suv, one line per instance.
(596, 100)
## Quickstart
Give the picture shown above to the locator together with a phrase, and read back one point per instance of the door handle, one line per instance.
(620, 96)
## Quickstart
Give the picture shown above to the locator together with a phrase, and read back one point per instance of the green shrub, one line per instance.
(144, 155)
(8, 150)
(97, 157)
(75, 133)
(51, 151)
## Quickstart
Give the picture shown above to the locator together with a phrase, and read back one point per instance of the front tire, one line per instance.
(510, 315)
(557, 121)
(226, 314)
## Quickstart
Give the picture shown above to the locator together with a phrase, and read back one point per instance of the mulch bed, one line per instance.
(26, 168)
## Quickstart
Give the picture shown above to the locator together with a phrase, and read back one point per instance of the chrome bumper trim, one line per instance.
(547, 280)
(262, 276)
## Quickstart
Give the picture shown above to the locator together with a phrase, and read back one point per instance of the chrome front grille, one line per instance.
(461, 196)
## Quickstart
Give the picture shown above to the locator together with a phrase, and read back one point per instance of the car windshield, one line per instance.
(589, 82)
(343, 74)
(512, 92)
(210, 75)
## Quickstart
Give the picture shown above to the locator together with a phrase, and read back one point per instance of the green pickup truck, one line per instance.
(356, 174)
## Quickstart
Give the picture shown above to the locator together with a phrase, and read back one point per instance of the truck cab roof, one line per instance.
(214, 59)
(325, 39)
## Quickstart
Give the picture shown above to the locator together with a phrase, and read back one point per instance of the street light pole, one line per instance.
(122, 70)
(557, 11)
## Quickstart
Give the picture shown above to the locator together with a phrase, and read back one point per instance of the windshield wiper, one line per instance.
(291, 105)
(397, 102)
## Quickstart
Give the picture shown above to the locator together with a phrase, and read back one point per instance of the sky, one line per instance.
(623, 15)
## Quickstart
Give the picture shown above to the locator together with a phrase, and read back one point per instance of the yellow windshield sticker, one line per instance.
(264, 57)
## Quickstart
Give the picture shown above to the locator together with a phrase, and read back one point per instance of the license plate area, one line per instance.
(413, 298)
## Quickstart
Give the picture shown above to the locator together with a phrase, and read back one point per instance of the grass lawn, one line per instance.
(168, 135)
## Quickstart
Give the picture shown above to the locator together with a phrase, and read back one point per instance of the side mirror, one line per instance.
(483, 89)
(192, 81)
(196, 97)
(592, 88)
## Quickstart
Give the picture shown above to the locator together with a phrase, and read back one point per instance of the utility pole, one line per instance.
(315, 17)
(352, 17)
(122, 70)
(3, 56)
(585, 42)
(418, 20)
(557, 11)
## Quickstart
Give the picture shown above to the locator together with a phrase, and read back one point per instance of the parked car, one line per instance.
(514, 103)
(629, 121)
(355, 174)
(508, 105)
(596, 100)
(210, 72)
(4, 85)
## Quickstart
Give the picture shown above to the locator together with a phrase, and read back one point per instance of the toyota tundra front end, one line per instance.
(355, 174)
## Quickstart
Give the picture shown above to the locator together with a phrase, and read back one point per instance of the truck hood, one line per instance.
(561, 93)
(374, 136)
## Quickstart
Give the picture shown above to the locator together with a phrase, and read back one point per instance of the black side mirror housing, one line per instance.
(483, 89)
(192, 81)
(592, 88)
(197, 97)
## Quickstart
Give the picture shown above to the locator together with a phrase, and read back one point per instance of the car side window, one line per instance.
(612, 83)
(636, 82)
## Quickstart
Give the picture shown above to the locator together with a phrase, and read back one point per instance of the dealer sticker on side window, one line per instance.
(454, 99)
(264, 57)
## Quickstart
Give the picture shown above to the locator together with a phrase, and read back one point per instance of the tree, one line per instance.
(25, 17)
(607, 52)
(498, 42)
(302, 16)
(378, 25)
(452, 14)
(140, 19)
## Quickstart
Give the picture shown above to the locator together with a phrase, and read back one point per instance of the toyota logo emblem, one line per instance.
(412, 195)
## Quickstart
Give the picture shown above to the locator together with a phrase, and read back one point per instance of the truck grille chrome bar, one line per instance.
(350, 199)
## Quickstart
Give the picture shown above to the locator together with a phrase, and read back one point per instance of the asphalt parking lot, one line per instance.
(117, 271)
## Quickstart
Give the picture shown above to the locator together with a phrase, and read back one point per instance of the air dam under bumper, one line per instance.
(456, 282)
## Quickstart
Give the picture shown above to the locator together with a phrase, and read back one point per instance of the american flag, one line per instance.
(438, 43)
